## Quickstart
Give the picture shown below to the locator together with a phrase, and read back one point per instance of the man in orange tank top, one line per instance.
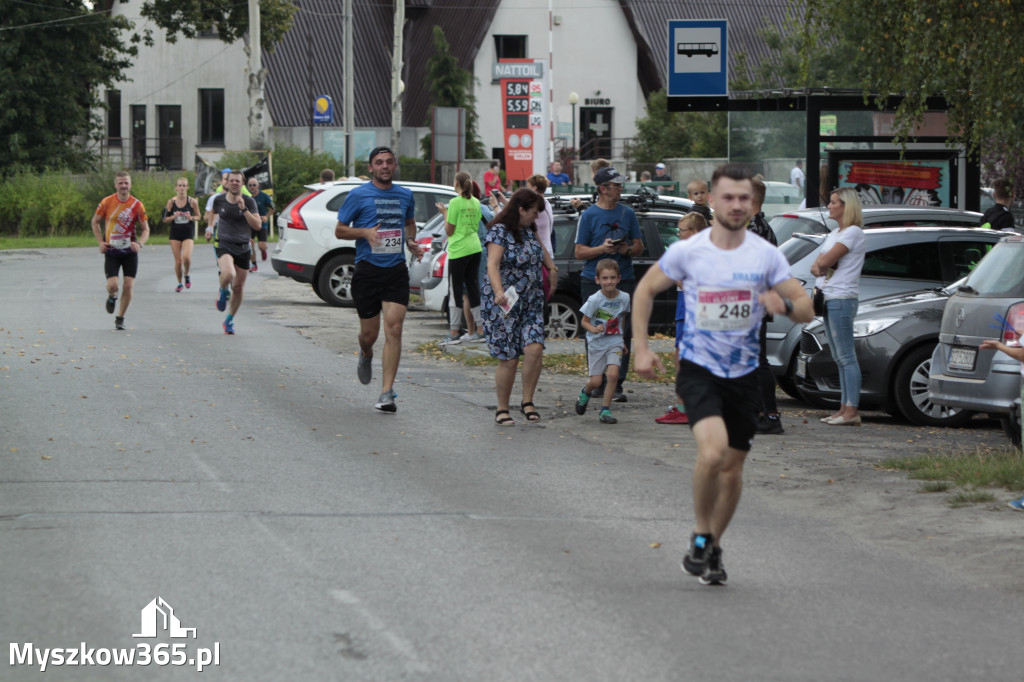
(121, 228)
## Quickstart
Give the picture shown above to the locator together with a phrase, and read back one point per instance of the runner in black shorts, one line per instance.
(380, 217)
(729, 278)
(121, 228)
(236, 217)
(182, 212)
(373, 285)
(265, 206)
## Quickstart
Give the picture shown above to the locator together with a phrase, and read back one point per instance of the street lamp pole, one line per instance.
(574, 100)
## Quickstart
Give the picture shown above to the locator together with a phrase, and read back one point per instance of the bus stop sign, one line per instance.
(698, 58)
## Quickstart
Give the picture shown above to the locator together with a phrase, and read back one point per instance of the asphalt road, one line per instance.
(247, 481)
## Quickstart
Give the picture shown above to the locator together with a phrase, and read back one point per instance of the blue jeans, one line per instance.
(839, 332)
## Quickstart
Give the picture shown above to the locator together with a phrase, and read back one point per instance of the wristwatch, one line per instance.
(789, 305)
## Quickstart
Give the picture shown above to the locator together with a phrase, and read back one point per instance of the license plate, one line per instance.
(962, 358)
(801, 366)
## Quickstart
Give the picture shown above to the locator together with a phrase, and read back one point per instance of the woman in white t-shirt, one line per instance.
(837, 269)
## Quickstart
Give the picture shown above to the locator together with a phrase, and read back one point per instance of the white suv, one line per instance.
(307, 250)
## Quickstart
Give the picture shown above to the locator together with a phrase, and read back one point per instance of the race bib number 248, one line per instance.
(724, 309)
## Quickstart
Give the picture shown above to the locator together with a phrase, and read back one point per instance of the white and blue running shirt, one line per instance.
(721, 289)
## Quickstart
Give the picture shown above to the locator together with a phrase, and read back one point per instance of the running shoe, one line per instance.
(769, 424)
(111, 300)
(179, 288)
(619, 397)
(607, 418)
(222, 300)
(673, 416)
(263, 254)
(714, 573)
(364, 370)
(472, 338)
(582, 400)
(386, 402)
(695, 561)
(119, 323)
(1016, 504)
(450, 341)
(253, 267)
(188, 282)
(229, 326)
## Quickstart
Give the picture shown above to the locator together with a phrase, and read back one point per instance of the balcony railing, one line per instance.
(143, 153)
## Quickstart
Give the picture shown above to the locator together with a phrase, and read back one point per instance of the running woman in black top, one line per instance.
(182, 211)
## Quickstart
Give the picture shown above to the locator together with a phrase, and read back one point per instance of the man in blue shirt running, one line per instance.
(380, 217)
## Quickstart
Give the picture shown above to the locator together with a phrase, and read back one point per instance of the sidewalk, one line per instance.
(558, 346)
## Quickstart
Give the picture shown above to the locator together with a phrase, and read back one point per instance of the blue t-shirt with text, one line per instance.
(596, 225)
(369, 205)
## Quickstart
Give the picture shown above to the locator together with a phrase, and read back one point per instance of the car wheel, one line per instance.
(334, 284)
(316, 289)
(787, 382)
(564, 320)
(1011, 426)
(911, 393)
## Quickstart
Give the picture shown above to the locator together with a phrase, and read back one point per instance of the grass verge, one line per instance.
(561, 363)
(965, 473)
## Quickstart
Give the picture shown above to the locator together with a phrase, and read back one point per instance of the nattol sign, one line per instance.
(522, 69)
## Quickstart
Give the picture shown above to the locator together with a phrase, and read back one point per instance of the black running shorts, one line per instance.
(239, 253)
(179, 232)
(736, 401)
(119, 260)
(372, 285)
(260, 235)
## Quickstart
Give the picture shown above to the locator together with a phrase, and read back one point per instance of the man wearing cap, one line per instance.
(608, 229)
(380, 217)
(661, 176)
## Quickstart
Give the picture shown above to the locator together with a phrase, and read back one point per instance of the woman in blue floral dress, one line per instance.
(514, 258)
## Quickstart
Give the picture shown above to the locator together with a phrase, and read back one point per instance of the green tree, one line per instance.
(663, 134)
(53, 59)
(969, 52)
(190, 18)
(451, 86)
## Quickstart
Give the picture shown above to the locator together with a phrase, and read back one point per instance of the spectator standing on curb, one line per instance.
(265, 206)
(728, 277)
(998, 217)
(768, 420)
(492, 179)
(837, 269)
(1015, 351)
(608, 229)
(603, 314)
(514, 322)
(796, 175)
(121, 227)
(545, 223)
(237, 217)
(689, 225)
(461, 222)
(182, 211)
(326, 175)
(661, 176)
(380, 216)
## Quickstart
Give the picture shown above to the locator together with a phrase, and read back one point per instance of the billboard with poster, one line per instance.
(920, 178)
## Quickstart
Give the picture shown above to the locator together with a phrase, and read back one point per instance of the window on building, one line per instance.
(114, 118)
(510, 47)
(211, 117)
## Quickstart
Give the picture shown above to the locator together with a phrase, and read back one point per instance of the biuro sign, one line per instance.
(522, 107)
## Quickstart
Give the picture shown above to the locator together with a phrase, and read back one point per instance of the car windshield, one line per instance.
(799, 246)
(1001, 272)
(786, 224)
(433, 227)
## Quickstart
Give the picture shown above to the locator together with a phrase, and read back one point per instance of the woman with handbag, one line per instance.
(837, 269)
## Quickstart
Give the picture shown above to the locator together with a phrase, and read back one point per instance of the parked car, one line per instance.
(780, 197)
(990, 304)
(816, 220)
(897, 260)
(307, 250)
(431, 238)
(894, 338)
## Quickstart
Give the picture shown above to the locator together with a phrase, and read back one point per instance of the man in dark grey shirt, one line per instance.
(237, 217)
